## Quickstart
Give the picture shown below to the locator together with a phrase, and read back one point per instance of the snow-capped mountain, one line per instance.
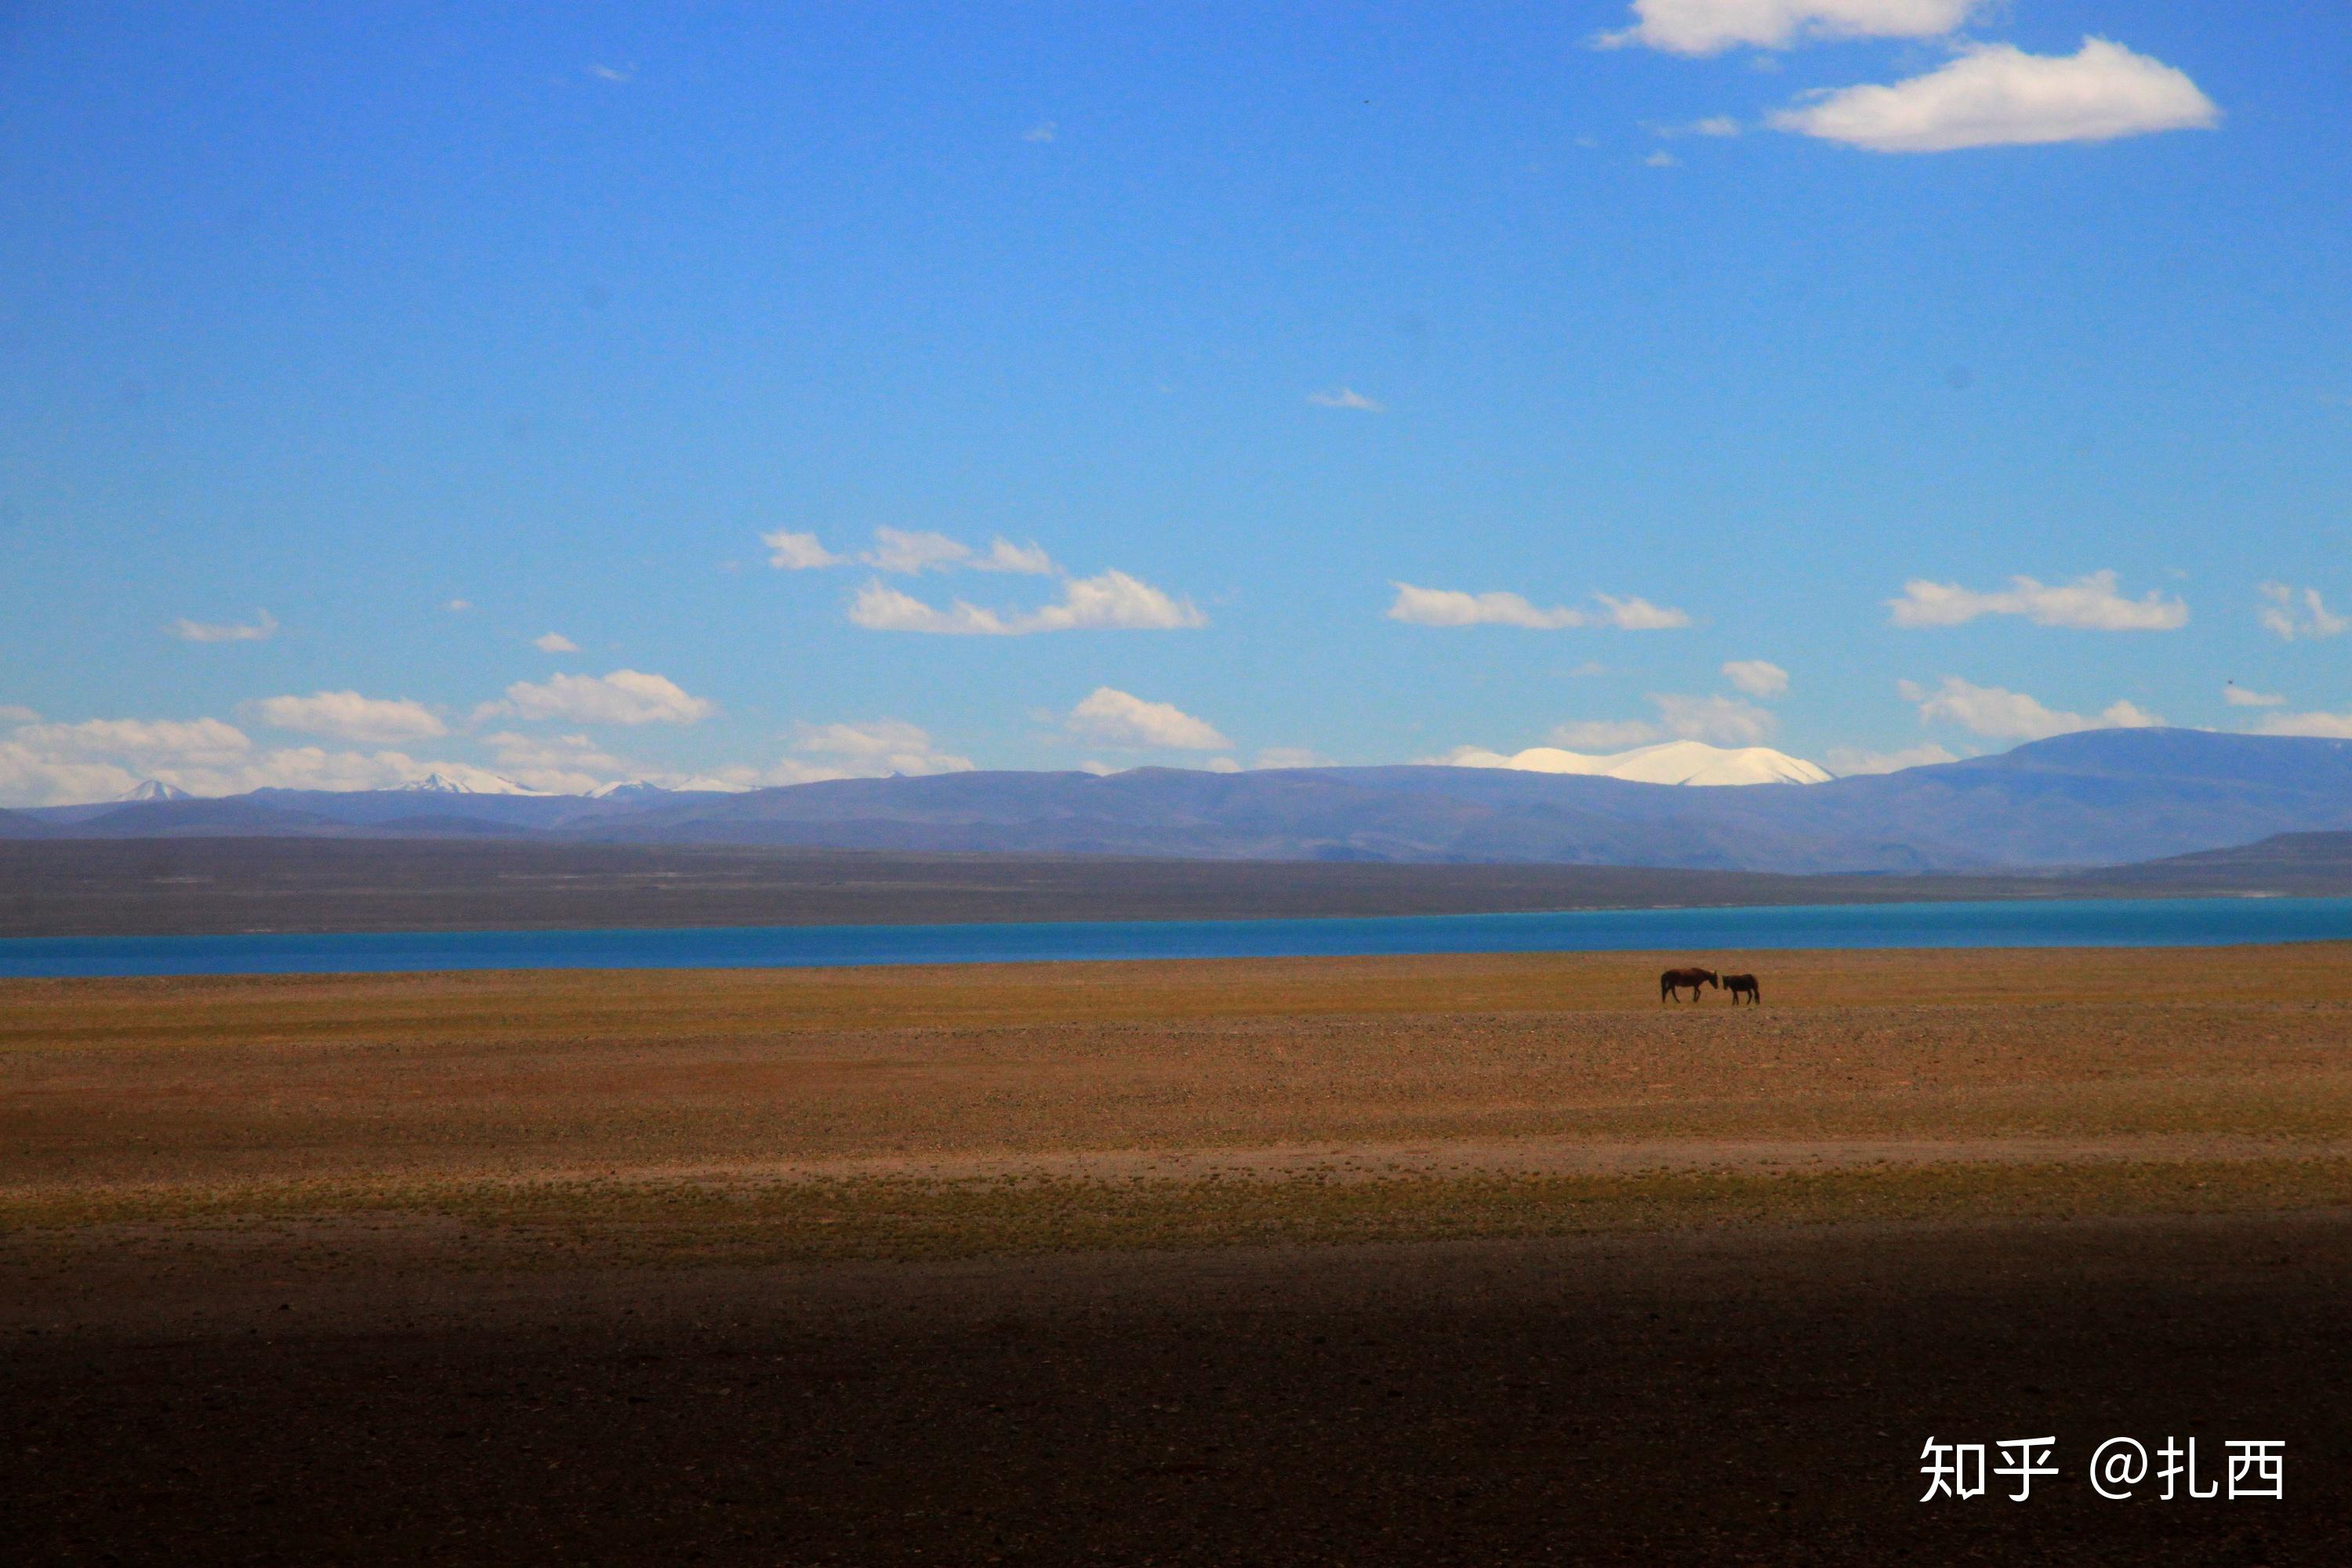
(1671, 762)
(154, 789)
(645, 792)
(472, 783)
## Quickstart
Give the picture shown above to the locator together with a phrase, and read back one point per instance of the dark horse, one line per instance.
(1671, 982)
(1744, 985)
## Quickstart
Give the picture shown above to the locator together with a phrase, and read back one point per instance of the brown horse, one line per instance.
(1671, 982)
(1743, 986)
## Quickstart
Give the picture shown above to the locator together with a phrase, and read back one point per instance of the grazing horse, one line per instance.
(1743, 986)
(1671, 982)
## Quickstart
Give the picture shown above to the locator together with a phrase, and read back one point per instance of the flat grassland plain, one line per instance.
(1477, 1259)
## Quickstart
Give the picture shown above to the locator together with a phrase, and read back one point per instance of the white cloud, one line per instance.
(2088, 603)
(1847, 762)
(2331, 726)
(622, 697)
(1720, 720)
(1638, 615)
(1756, 677)
(52, 765)
(1003, 555)
(1045, 131)
(1710, 26)
(567, 764)
(881, 746)
(1222, 765)
(1346, 397)
(1452, 607)
(791, 552)
(554, 642)
(1606, 734)
(912, 554)
(1662, 159)
(2295, 613)
(10, 713)
(2002, 714)
(187, 742)
(1290, 757)
(261, 628)
(459, 606)
(1998, 95)
(348, 716)
(1112, 601)
(2238, 696)
(1714, 125)
(908, 554)
(1113, 717)
(831, 752)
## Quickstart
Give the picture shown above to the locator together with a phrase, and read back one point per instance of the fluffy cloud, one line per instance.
(10, 713)
(1994, 711)
(1720, 720)
(2088, 603)
(826, 752)
(2238, 696)
(2333, 726)
(188, 743)
(566, 765)
(880, 746)
(1605, 734)
(56, 765)
(1452, 607)
(1996, 95)
(554, 642)
(2295, 613)
(263, 626)
(1110, 602)
(1346, 397)
(791, 552)
(1115, 718)
(1847, 762)
(907, 553)
(622, 697)
(348, 716)
(1710, 26)
(1756, 677)
(1290, 757)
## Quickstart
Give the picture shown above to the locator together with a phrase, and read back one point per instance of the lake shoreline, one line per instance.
(2233, 920)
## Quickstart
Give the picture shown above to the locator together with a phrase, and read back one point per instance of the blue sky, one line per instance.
(317, 322)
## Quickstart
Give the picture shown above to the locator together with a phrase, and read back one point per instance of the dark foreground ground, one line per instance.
(1711, 1397)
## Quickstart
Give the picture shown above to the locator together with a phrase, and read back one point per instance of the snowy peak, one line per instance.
(472, 783)
(154, 789)
(1671, 762)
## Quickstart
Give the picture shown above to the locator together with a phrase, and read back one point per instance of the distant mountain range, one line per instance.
(2101, 797)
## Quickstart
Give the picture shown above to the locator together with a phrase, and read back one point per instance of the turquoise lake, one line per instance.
(2088, 923)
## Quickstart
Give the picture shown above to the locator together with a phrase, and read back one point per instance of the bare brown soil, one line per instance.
(1400, 1260)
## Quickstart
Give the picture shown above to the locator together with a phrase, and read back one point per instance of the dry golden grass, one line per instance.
(863, 1110)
